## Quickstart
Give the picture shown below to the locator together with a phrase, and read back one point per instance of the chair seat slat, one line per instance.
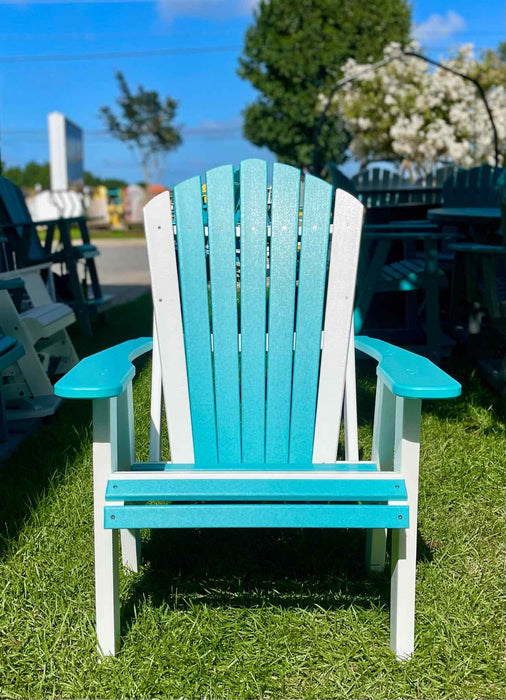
(365, 487)
(257, 515)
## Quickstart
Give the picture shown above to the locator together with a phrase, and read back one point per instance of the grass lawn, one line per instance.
(98, 233)
(254, 614)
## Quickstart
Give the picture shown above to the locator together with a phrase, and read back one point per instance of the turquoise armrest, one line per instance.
(407, 374)
(105, 374)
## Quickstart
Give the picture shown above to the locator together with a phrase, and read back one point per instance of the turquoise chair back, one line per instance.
(253, 321)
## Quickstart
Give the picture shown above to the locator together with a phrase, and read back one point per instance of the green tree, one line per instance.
(34, 173)
(109, 182)
(145, 123)
(30, 175)
(293, 53)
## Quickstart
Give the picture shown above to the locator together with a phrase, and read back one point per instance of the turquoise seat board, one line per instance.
(253, 356)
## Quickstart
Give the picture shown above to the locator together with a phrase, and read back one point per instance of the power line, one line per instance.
(212, 134)
(158, 52)
(118, 54)
(123, 35)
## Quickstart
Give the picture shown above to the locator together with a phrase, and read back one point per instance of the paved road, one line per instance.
(123, 267)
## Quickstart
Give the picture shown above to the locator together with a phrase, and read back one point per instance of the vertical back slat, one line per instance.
(169, 330)
(222, 263)
(310, 298)
(283, 258)
(345, 247)
(194, 301)
(253, 186)
(351, 453)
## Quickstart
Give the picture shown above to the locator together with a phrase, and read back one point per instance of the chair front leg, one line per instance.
(383, 455)
(130, 539)
(403, 580)
(105, 461)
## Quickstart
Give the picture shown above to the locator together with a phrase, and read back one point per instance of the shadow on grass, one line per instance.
(45, 457)
(255, 568)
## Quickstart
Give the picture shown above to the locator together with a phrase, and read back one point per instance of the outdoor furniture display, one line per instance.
(471, 199)
(10, 352)
(254, 393)
(478, 300)
(474, 191)
(476, 187)
(40, 329)
(23, 249)
(382, 272)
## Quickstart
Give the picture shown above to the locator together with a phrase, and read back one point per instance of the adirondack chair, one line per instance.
(253, 423)
(476, 187)
(379, 187)
(24, 249)
(41, 330)
(10, 352)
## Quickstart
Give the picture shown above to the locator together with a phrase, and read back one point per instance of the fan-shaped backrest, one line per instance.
(256, 289)
(477, 187)
(13, 209)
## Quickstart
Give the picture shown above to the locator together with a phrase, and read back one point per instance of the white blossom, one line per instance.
(412, 112)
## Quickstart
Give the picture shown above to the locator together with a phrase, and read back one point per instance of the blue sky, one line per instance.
(210, 94)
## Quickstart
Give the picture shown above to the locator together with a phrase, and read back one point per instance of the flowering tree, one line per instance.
(418, 116)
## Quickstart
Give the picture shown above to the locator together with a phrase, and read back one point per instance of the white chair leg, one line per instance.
(130, 539)
(383, 455)
(402, 591)
(106, 541)
(375, 550)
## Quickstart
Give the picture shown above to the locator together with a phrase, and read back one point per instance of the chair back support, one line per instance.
(477, 187)
(253, 381)
(13, 209)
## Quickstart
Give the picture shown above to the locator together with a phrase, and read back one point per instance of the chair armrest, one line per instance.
(105, 374)
(407, 374)
(14, 283)
(23, 271)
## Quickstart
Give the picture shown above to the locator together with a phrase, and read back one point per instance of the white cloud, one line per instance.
(205, 8)
(439, 27)
(213, 129)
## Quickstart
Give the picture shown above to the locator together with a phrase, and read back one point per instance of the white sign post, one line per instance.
(65, 153)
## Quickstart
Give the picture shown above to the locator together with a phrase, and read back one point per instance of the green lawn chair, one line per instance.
(254, 394)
